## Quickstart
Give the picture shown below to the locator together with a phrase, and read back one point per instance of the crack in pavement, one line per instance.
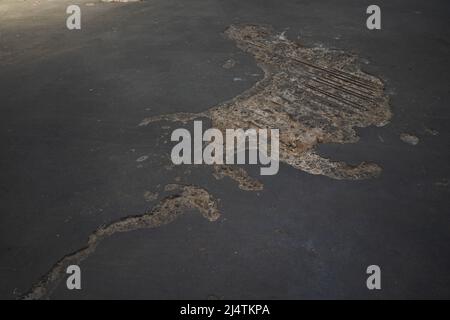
(171, 207)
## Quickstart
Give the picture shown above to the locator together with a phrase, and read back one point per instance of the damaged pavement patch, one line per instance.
(312, 95)
(245, 182)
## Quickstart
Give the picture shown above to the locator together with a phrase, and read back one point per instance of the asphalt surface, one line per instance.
(70, 105)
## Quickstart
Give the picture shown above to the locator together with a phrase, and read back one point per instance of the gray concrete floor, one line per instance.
(70, 103)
